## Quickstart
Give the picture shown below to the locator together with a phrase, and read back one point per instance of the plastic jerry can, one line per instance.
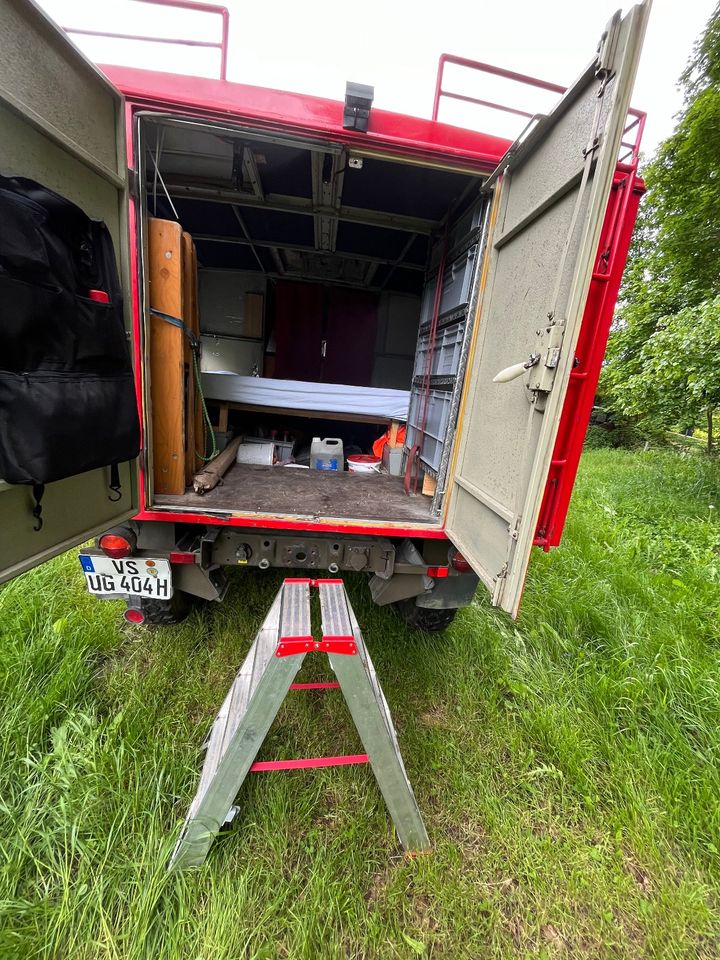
(327, 454)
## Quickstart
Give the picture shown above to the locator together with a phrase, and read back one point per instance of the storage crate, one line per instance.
(446, 356)
(436, 425)
(456, 287)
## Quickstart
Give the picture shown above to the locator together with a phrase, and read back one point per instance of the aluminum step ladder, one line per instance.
(276, 655)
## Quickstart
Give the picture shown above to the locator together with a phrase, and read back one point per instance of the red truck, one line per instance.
(349, 260)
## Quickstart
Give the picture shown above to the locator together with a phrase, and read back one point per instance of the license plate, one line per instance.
(140, 576)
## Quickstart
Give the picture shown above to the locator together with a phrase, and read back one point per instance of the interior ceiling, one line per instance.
(300, 210)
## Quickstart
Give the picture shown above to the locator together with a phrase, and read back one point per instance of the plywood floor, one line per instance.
(308, 493)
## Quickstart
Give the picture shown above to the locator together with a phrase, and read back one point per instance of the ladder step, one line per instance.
(264, 765)
(334, 607)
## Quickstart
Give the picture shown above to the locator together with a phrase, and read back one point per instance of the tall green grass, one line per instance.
(567, 766)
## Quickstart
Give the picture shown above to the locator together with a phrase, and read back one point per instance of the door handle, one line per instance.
(516, 370)
(323, 348)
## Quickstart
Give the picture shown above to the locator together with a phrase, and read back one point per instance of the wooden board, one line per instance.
(167, 357)
(225, 405)
(253, 326)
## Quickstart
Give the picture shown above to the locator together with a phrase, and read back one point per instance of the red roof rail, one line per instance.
(221, 45)
(636, 124)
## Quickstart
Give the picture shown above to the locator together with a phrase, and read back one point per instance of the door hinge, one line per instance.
(607, 51)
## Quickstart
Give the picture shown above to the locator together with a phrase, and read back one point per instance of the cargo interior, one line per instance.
(308, 274)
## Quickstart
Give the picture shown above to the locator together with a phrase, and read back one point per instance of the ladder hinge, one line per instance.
(291, 646)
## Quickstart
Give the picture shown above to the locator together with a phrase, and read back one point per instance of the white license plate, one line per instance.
(140, 576)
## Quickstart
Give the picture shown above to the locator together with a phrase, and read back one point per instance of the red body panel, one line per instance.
(615, 238)
(300, 114)
(401, 135)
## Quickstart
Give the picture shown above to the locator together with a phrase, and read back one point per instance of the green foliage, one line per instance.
(660, 367)
(672, 377)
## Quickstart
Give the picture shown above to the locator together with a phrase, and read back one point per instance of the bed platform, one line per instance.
(328, 495)
(338, 401)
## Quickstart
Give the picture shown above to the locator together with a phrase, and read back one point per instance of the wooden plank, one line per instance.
(167, 357)
(223, 418)
(429, 485)
(392, 439)
(293, 412)
(253, 325)
(194, 427)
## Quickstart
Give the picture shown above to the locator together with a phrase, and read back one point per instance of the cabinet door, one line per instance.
(349, 336)
(298, 331)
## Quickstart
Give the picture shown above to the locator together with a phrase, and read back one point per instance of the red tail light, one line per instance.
(117, 544)
(134, 616)
(459, 563)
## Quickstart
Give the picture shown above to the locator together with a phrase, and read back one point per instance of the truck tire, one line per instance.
(424, 618)
(164, 613)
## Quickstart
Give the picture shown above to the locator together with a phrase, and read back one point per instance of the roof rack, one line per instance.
(636, 118)
(220, 45)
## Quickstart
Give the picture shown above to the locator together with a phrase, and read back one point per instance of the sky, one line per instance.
(315, 46)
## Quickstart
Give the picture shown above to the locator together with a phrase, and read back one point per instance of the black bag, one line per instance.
(67, 396)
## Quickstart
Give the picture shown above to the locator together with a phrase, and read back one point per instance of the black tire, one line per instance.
(424, 618)
(164, 613)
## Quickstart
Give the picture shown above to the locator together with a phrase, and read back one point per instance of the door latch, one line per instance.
(516, 370)
(543, 362)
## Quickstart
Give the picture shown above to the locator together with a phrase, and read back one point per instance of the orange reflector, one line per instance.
(459, 563)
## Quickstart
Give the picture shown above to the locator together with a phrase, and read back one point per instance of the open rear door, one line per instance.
(550, 195)
(61, 124)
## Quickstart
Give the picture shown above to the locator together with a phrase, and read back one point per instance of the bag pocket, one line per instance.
(22, 245)
(55, 425)
(35, 325)
(100, 341)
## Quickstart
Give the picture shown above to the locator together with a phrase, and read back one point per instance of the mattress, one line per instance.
(331, 398)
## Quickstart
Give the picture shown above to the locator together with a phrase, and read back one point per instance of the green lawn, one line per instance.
(568, 767)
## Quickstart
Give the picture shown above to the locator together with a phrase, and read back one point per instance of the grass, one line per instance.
(568, 767)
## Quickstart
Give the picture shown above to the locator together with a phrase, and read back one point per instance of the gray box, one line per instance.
(392, 460)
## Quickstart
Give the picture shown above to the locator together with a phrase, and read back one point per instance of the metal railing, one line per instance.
(636, 118)
(221, 45)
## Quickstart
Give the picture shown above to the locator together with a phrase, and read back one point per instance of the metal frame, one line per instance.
(256, 695)
(635, 124)
(220, 45)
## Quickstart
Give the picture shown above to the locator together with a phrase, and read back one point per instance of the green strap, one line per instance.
(195, 348)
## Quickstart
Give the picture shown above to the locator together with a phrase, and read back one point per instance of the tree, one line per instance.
(675, 371)
(668, 312)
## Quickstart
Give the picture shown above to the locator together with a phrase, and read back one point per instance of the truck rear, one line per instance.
(295, 268)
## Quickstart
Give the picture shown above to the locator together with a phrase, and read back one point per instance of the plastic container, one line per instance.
(283, 448)
(392, 460)
(456, 287)
(327, 454)
(262, 454)
(436, 426)
(364, 463)
(446, 355)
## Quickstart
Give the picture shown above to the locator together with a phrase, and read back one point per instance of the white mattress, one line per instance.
(303, 395)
